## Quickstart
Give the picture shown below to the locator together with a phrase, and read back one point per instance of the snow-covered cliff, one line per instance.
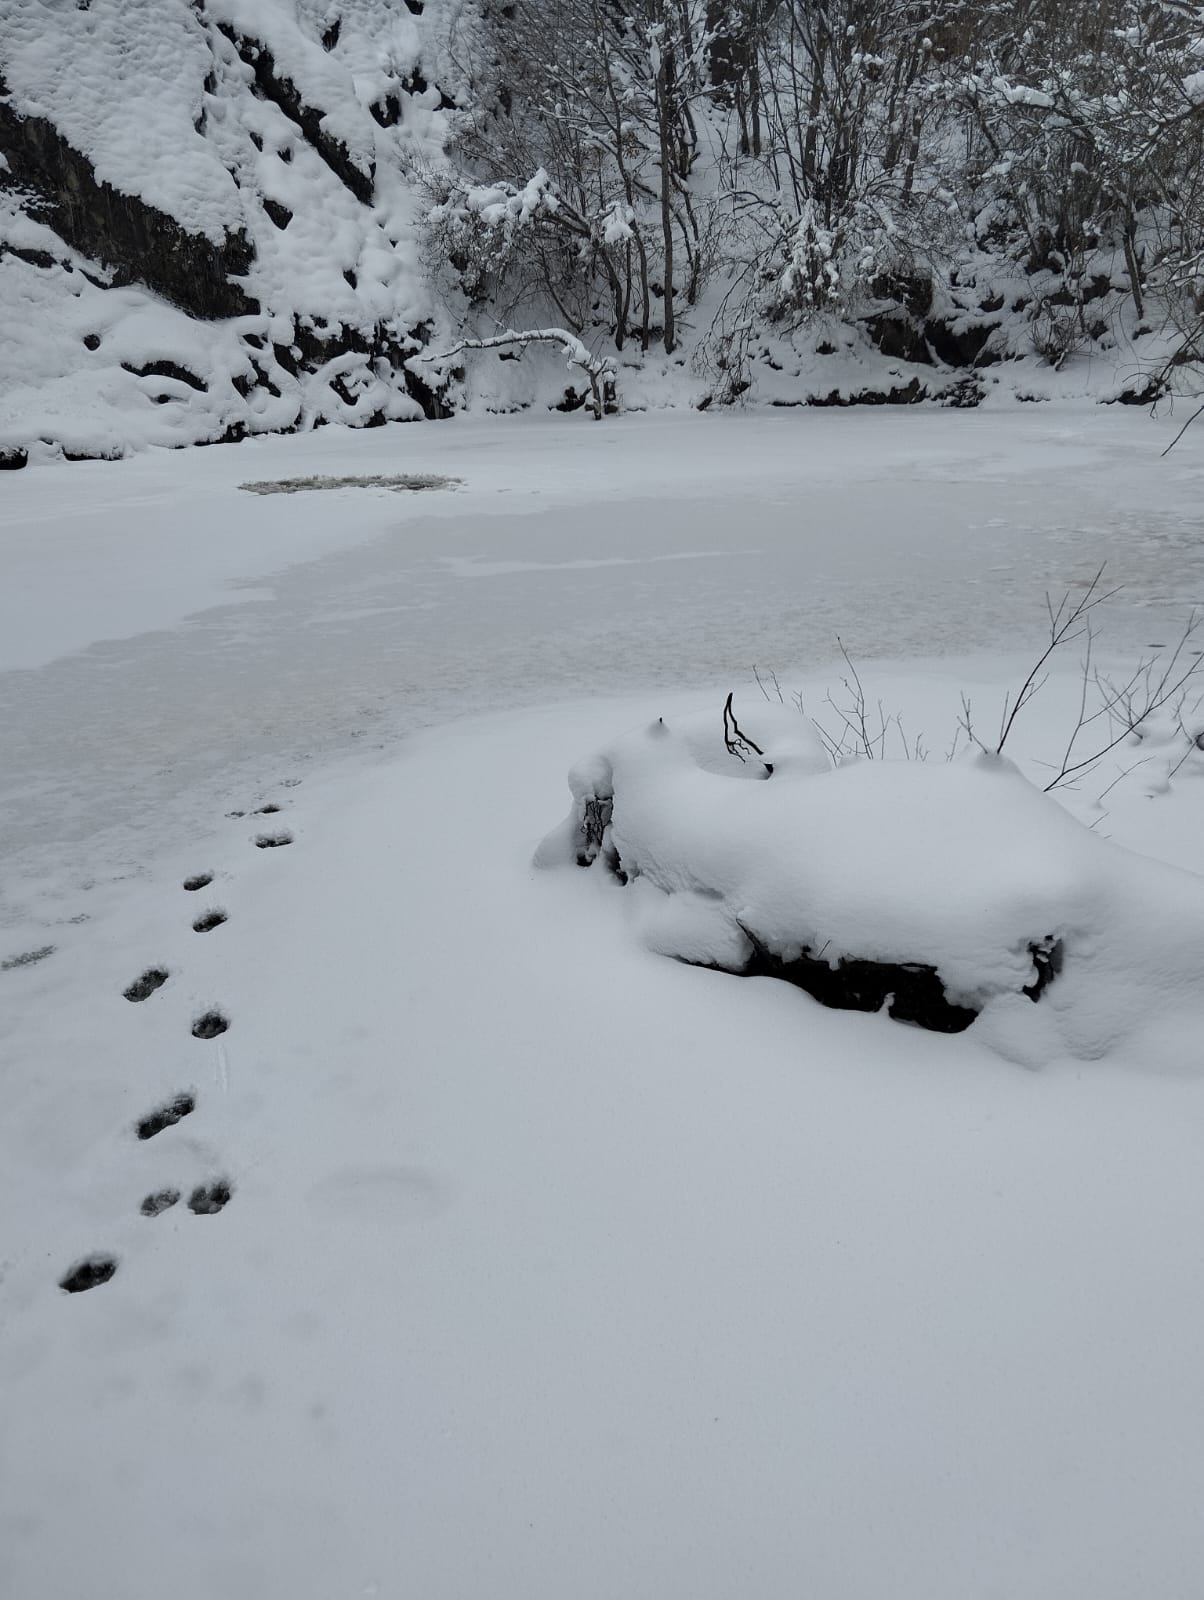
(210, 215)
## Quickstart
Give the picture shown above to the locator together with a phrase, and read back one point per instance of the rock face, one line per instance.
(135, 241)
(208, 226)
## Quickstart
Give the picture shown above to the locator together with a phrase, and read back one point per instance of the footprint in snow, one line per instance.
(207, 1199)
(201, 880)
(142, 988)
(166, 1116)
(162, 1200)
(89, 1273)
(209, 1025)
(210, 920)
(272, 841)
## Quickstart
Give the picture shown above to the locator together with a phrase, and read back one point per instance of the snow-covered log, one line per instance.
(945, 894)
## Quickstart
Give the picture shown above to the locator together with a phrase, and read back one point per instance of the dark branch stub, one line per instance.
(737, 742)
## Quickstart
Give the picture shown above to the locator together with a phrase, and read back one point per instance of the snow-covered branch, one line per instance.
(600, 370)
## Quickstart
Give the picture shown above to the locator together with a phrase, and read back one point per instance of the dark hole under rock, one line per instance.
(910, 991)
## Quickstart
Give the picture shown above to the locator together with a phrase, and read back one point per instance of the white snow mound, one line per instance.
(962, 867)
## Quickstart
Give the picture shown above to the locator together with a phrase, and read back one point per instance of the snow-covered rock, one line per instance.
(944, 893)
(209, 217)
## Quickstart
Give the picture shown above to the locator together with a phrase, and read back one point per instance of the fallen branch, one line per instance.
(600, 370)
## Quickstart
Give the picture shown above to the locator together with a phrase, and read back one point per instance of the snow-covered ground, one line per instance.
(550, 1266)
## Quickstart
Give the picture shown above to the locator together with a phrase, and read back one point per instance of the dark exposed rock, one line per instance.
(13, 458)
(32, 258)
(958, 345)
(331, 37)
(417, 83)
(912, 291)
(137, 241)
(280, 215)
(898, 338)
(283, 93)
(168, 369)
(1142, 393)
(387, 112)
(965, 394)
(907, 394)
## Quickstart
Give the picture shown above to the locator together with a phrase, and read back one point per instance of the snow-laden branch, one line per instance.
(600, 370)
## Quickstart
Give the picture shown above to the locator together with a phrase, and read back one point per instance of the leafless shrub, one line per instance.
(1109, 712)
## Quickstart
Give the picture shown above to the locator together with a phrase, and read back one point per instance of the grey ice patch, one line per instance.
(405, 480)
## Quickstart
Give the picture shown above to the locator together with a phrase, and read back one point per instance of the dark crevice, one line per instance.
(1048, 955)
(167, 369)
(910, 992)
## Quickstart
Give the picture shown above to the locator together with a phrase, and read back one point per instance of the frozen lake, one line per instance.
(163, 630)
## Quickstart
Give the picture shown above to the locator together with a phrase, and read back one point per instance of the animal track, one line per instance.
(89, 1273)
(208, 1199)
(166, 1116)
(201, 881)
(266, 811)
(142, 988)
(27, 958)
(161, 1200)
(211, 919)
(272, 841)
(209, 1025)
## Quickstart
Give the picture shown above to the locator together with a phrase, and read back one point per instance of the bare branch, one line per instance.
(600, 370)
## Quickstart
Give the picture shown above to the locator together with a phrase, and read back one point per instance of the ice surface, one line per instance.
(551, 1267)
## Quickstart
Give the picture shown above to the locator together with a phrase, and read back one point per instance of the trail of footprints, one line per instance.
(206, 1199)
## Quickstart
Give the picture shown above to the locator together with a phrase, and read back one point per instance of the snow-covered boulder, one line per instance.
(947, 894)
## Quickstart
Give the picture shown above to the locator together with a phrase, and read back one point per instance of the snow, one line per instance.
(159, 100)
(965, 867)
(552, 1266)
(81, 67)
